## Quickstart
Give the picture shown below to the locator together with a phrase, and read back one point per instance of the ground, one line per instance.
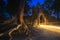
(38, 34)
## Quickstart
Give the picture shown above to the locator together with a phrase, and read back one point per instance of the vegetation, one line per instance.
(15, 11)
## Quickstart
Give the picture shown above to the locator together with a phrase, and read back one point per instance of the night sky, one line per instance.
(34, 2)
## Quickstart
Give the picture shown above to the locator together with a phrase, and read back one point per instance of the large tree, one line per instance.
(56, 7)
(52, 5)
(15, 8)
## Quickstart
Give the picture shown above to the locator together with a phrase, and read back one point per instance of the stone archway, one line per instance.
(42, 19)
(38, 20)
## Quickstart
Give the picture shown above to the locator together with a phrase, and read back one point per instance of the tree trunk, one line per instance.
(21, 15)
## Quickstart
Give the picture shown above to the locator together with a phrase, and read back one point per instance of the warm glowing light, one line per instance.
(50, 28)
(1, 34)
